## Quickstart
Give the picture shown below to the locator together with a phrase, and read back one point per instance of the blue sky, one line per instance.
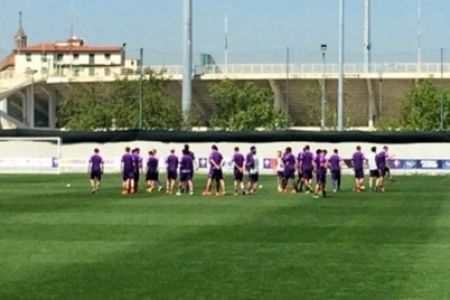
(259, 30)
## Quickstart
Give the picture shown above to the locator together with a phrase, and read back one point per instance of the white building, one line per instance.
(27, 100)
(69, 58)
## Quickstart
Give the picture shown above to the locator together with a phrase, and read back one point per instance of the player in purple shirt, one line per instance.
(321, 173)
(289, 170)
(238, 171)
(215, 173)
(151, 176)
(172, 168)
(307, 167)
(192, 155)
(334, 164)
(299, 185)
(389, 159)
(358, 160)
(382, 167)
(186, 171)
(138, 166)
(195, 165)
(252, 168)
(95, 170)
(158, 182)
(127, 167)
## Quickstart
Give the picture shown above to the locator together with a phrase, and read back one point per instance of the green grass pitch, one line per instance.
(64, 243)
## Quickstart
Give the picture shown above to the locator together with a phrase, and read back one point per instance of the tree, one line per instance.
(245, 108)
(421, 111)
(116, 105)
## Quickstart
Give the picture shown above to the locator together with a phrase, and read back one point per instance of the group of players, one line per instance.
(306, 164)
(296, 171)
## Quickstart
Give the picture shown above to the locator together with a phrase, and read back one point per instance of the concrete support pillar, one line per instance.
(29, 106)
(372, 111)
(4, 109)
(279, 96)
(4, 105)
(52, 109)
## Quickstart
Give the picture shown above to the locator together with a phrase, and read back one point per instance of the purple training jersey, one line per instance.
(289, 162)
(238, 160)
(307, 161)
(358, 160)
(335, 162)
(322, 161)
(381, 160)
(96, 162)
(249, 161)
(217, 158)
(128, 163)
(137, 161)
(172, 163)
(299, 157)
(152, 164)
(186, 164)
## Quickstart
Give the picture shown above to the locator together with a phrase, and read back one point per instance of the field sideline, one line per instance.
(64, 243)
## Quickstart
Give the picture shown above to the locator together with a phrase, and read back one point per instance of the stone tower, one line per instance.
(20, 39)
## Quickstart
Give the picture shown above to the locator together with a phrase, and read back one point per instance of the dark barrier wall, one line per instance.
(223, 136)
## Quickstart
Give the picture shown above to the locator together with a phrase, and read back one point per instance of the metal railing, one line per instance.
(429, 68)
(9, 80)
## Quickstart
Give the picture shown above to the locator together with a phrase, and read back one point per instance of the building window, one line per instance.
(91, 59)
(76, 56)
(44, 58)
(28, 57)
(107, 56)
(59, 57)
(107, 71)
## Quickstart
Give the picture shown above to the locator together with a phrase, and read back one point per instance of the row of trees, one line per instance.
(116, 106)
(238, 107)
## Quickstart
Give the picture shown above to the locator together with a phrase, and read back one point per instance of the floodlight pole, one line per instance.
(141, 74)
(287, 90)
(419, 36)
(323, 49)
(226, 38)
(186, 100)
(441, 125)
(340, 108)
(367, 38)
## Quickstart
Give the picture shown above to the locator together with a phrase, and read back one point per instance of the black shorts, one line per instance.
(307, 174)
(151, 176)
(238, 176)
(96, 175)
(136, 176)
(383, 172)
(253, 177)
(335, 174)
(185, 176)
(172, 175)
(375, 173)
(217, 174)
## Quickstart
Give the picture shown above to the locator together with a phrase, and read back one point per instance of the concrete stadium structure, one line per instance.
(30, 100)
(33, 79)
